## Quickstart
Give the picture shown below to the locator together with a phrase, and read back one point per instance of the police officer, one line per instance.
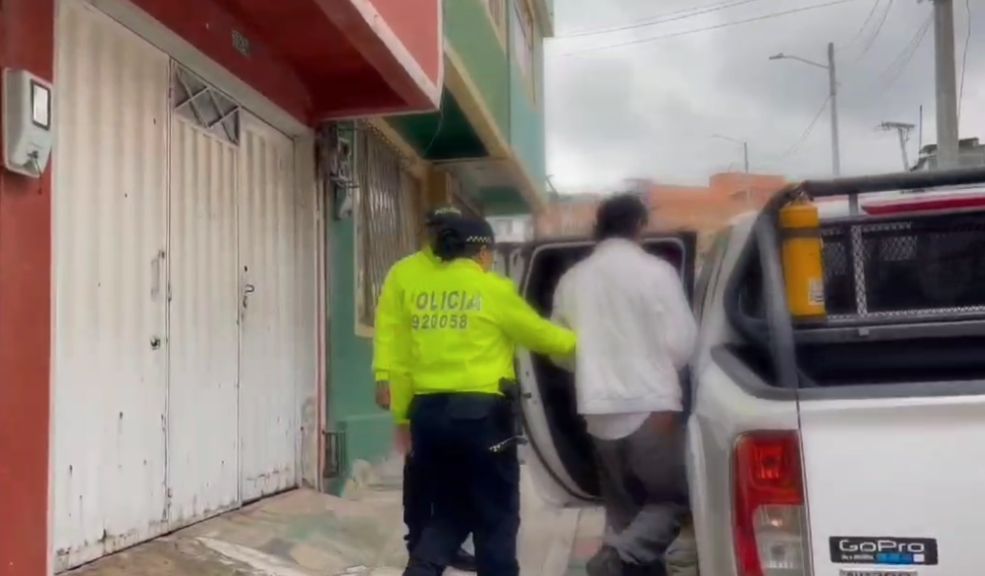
(393, 381)
(464, 322)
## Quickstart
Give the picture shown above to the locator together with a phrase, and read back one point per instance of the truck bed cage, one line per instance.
(918, 275)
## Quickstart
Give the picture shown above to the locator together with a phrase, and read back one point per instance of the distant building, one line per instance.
(971, 153)
(705, 209)
(512, 229)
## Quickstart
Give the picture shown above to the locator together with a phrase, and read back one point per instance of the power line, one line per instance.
(878, 30)
(895, 70)
(865, 23)
(769, 16)
(964, 59)
(903, 58)
(665, 18)
(664, 15)
(808, 130)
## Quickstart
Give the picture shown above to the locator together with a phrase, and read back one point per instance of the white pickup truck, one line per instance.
(850, 446)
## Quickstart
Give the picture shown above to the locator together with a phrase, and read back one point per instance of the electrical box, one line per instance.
(27, 134)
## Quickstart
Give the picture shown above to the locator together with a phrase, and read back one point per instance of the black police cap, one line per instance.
(473, 231)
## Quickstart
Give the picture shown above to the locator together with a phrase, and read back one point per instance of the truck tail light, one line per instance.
(769, 522)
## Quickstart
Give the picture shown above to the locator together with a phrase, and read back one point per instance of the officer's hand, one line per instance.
(383, 395)
(402, 439)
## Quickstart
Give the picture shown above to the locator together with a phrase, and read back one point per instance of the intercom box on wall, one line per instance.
(27, 129)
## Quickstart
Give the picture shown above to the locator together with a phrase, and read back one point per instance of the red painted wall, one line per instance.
(317, 59)
(417, 24)
(209, 27)
(26, 42)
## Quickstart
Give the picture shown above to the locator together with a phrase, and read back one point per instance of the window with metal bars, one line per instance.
(210, 109)
(385, 217)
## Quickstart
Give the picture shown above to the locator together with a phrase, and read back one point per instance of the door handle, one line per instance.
(247, 290)
(155, 274)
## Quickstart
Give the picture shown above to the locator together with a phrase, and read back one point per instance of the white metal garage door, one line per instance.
(203, 427)
(110, 207)
(176, 387)
(268, 395)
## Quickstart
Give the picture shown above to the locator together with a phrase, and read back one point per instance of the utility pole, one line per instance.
(920, 133)
(835, 139)
(833, 96)
(903, 130)
(745, 158)
(947, 90)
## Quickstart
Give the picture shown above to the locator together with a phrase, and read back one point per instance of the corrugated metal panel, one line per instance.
(268, 406)
(307, 311)
(203, 468)
(109, 236)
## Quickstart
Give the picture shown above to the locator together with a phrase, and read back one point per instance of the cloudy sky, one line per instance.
(651, 107)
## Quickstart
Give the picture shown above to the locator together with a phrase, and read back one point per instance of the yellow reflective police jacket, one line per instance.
(464, 324)
(391, 340)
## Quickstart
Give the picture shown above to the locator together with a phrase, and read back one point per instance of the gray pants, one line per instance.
(644, 489)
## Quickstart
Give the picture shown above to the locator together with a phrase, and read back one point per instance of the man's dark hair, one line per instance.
(621, 216)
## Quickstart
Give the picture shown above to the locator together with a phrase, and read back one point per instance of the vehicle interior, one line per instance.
(556, 385)
(905, 297)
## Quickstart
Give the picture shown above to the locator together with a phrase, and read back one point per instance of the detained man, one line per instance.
(635, 332)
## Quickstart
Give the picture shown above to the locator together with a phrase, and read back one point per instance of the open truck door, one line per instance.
(560, 452)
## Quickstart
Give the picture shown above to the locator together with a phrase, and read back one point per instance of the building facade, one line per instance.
(483, 150)
(513, 229)
(163, 283)
(971, 153)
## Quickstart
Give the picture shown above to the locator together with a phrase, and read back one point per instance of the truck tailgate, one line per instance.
(895, 483)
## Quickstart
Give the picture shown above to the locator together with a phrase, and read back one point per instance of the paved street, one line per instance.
(304, 533)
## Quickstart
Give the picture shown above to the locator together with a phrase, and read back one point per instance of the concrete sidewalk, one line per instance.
(304, 533)
(587, 540)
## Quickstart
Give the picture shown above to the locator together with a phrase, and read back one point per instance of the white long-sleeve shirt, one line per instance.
(635, 333)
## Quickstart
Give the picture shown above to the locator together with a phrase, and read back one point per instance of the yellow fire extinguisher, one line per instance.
(803, 267)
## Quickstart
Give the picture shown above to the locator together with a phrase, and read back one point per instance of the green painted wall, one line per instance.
(442, 135)
(503, 201)
(527, 110)
(470, 32)
(367, 430)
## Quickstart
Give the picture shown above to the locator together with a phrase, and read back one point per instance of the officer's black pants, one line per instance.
(417, 501)
(474, 489)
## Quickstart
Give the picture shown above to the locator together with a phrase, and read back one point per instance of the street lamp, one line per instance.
(832, 80)
(743, 143)
(745, 158)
